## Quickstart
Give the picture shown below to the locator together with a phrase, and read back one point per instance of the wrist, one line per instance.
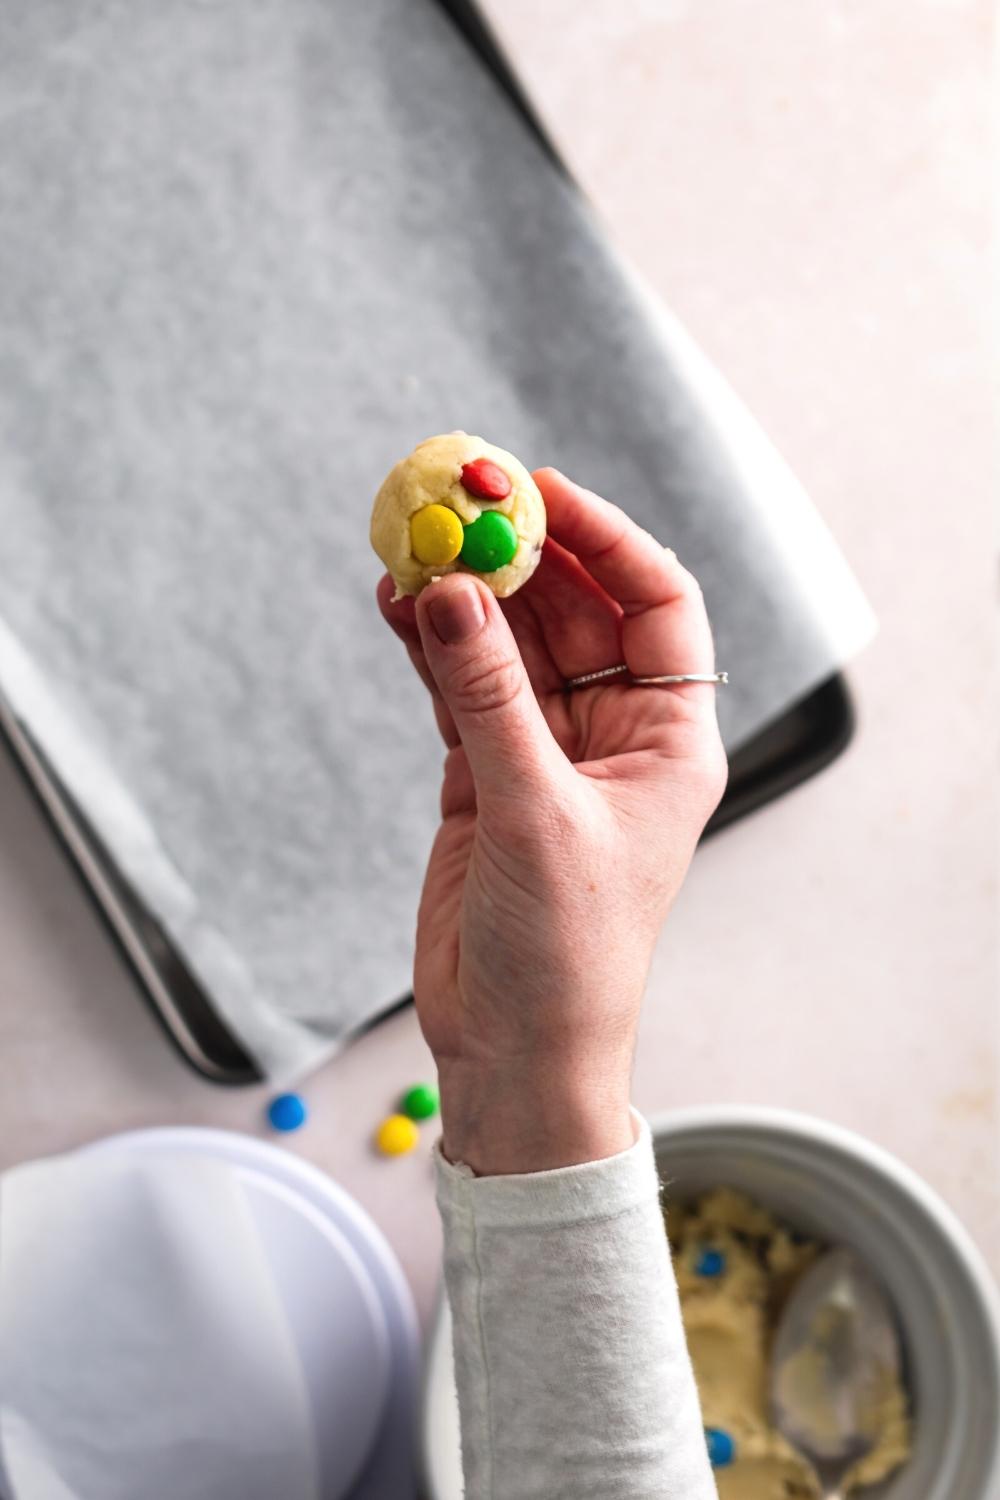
(505, 1118)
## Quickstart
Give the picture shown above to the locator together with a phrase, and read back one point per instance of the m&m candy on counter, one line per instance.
(287, 1112)
(421, 1102)
(397, 1135)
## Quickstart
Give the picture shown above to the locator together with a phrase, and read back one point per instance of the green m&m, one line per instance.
(490, 542)
(420, 1102)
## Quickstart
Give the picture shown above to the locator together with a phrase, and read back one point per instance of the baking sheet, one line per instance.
(247, 259)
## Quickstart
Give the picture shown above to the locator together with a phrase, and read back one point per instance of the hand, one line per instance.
(568, 823)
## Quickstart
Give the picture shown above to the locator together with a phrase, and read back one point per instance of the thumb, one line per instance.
(476, 664)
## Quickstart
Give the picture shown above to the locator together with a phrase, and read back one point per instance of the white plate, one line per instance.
(337, 1324)
(317, 1232)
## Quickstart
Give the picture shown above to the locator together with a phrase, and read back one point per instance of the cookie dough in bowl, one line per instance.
(459, 504)
(736, 1265)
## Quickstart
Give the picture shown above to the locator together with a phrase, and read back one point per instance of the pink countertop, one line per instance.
(807, 186)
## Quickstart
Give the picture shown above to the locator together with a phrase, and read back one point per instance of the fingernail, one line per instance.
(457, 615)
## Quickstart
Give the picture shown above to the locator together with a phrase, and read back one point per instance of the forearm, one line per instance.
(573, 1374)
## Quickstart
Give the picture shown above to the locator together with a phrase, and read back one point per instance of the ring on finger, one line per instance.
(588, 678)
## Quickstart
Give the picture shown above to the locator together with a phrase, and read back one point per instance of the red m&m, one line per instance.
(486, 480)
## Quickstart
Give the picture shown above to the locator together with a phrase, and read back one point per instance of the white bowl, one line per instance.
(832, 1183)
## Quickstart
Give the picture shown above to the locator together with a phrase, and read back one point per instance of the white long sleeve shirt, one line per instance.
(574, 1381)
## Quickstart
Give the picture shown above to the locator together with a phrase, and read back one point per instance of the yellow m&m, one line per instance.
(436, 535)
(396, 1135)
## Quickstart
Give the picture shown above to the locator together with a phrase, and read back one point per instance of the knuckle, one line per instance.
(486, 684)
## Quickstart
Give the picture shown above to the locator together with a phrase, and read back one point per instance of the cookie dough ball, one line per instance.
(459, 505)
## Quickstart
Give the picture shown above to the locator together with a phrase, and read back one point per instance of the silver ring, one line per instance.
(719, 678)
(575, 682)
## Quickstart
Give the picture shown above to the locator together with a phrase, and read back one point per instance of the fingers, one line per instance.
(665, 627)
(400, 615)
(479, 673)
(581, 623)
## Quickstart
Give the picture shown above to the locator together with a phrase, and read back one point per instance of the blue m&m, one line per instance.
(287, 1112)
(721, 1448)
(710, 1262)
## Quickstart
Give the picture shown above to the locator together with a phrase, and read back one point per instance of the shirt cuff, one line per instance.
(562, 1195)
